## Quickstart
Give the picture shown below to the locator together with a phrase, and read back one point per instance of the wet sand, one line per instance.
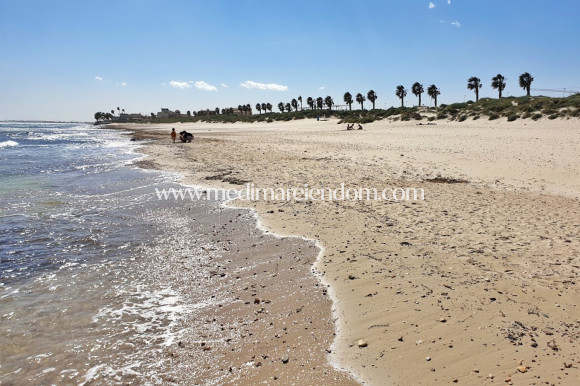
(477, 284)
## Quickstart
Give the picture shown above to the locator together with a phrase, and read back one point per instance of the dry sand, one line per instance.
(476, 284)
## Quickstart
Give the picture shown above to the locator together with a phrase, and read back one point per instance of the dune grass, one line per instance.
(510, 108)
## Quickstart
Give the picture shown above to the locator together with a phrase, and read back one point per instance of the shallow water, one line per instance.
(85, 294)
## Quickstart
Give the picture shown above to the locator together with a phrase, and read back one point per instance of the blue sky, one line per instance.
(65, 60)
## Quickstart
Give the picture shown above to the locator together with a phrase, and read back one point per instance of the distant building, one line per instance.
(207, 112)
(166, 113)
(136, 117)
(124, 117)
(237, 111)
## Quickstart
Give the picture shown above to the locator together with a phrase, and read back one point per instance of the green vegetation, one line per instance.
(509, 108)
(513, 108)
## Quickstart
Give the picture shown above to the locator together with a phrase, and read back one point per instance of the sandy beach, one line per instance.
(475, 284)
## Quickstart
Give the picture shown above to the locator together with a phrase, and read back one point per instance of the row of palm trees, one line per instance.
(498, 83)
(417, 89)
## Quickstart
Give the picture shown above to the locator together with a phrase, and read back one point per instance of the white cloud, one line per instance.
(224, 85)
(263, 86)
(449, 2)
(456, 23)
(124, 84)
(201, 85)
(178, 84)
(321, 88)
(431, 5)
(98, 78)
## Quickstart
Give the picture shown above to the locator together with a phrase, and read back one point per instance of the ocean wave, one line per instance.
(8, 144)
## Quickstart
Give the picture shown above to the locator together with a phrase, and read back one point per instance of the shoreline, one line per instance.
(416, 261)
(344, 376)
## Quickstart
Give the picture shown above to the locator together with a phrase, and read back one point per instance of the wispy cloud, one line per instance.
(98, 78)
(456, 23)
(431, 5)
(224, 85)
(178, 84)
(201, 85)
(449, 2)
(263, 86)
(124, 84)
(321, 88)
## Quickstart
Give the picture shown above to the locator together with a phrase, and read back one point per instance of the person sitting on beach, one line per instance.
(359, 126)
(173, 135)
(350, 126)
(184, 136)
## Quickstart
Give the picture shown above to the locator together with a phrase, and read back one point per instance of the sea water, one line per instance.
(85, 294)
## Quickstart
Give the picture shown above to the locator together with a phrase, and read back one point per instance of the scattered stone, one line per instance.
(522, 369)
(428, 359)
(361, 343)
(508, 379)
(442, 320)
(285, 359)
(475, 371)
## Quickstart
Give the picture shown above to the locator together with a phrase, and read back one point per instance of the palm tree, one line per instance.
(433, 91)
(300, 100)
(474, 83)
(417, 90)
(288, 107)
(294, 104)
(319, 103)
(360, 98)
(123, 111)
(264, 107)
(372, 96)
(259, 107)
(329, 102)
(119, 110)
(112, 112)
(526, 82)
(281, 107)
(269, 107)
(310, 102)
(401, 93)
(348, 100)
(498, 82)
(98, 116)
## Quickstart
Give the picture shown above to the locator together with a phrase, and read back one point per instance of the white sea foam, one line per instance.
(8, 144)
